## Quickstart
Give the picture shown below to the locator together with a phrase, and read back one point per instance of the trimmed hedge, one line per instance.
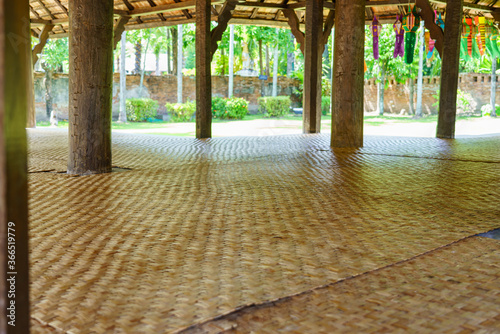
(181, 112)
(275, 106)
(325, 105)
(233, 108)
(141, 110)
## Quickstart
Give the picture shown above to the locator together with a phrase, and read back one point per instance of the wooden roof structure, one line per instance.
(142, 14)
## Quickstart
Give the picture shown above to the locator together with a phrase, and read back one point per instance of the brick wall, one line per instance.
(396, 96)
(164, 89)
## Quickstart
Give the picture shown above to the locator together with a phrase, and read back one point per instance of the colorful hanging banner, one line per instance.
(375, 28)
(399, 49)
(411, 23)
(479, 36)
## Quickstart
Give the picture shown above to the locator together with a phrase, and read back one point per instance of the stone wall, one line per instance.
(164, 89)
(396, 96)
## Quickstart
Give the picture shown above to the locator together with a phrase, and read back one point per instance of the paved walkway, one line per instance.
(200, 228)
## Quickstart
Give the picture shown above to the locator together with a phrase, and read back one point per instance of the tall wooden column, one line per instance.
(348, 74)
(449, 70)
(312, 66)
(203, 70)
(15, 45)
(31, 120)
(90, 86)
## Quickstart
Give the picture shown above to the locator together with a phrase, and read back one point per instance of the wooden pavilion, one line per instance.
(94, 28)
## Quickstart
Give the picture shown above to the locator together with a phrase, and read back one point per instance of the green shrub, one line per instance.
(140, 110)
(325, 105)
(236, 108)
(275, 106)
(486, 110)
(465, 102)
(181, 112)
(218, 107)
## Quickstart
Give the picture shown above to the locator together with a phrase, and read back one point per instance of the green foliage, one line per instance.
(233, 108)
(140, 110)
(326, 87)
(325, 104)
(486, 110)
(55, 54)
(465, 102)
(218, 107)
(236, 108)
(275, 106)
(181, 112)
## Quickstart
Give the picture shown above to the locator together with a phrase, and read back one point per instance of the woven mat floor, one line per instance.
(455, 289)
(197, 228)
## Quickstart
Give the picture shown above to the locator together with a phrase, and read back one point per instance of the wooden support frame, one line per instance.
(348, 74)
(450, 70)
(223, 21)
(203, 70)
(90, 86)
(429, 17)
(42, 40)
(294, 23)
(15, 48)
(312, 66)
(119, 29)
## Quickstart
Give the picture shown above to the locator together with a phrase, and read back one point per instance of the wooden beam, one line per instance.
(168, 8)
(428, 14)
(119, 28)
(203, 71)
(260, 4)
(160, 15)
(327, 30)
(15, 49)
(44, 36)
(348, 74)
(294, 24)
(223, 20)
(450, 70)
(262, 22)
(312, 66)
(185, 11)
(473, 6)
(128, 5)
(389, 3)
(64, 9)
(90, 86)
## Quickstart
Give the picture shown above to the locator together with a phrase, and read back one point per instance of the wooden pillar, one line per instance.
(312, 66)
(203, 71)
(449, 70)
(90, 86)
(31, 119)
(15, 45)
(348, 76)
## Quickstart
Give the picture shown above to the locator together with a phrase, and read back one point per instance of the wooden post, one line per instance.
(348, 76)
(31, 119)
(312, 66)
(203, 70)
(449, 70)
(90, 86)
(15, 45)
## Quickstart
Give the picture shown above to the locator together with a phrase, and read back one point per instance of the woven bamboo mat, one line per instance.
(455, 289)
(199, 228)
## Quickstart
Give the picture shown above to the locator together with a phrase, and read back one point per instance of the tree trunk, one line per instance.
(138, 56)
(231, 61)
(267, 61)
(90, 86)
(290, 59)
(275, 69)
(169, 68)
(141, 82)
(493, 86)
(420, 87)
(380, 93)
(174, 50)
(123, 80)
(48, 91)
(157, 71)
(31, 119)
(261, 61)
(412, 96)
(178, 60)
